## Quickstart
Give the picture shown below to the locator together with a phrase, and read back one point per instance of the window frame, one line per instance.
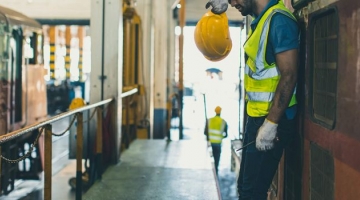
(312, 24)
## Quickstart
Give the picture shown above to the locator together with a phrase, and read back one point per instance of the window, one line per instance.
(324, 63)
(4, 54)
(16, 75)
(322, 174)
(30, 48)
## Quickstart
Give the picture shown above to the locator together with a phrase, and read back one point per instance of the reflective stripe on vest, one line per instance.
(216, 126)
(261, 78)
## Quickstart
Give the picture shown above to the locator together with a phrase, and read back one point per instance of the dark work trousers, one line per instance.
(216, 151)
(258, 168)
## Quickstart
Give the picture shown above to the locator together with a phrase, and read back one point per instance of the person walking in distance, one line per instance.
(271, 53)
(216, 131)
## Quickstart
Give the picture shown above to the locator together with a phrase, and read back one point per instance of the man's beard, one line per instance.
(248, 8)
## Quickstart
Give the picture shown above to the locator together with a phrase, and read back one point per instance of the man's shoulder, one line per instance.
(281, 19)
(284, 33)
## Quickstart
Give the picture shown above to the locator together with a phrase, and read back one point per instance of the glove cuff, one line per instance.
(270, 121)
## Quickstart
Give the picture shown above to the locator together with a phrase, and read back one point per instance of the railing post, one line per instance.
(1, 166)
(127, 103)
(99, 141)
(48, 162)
(79, 156)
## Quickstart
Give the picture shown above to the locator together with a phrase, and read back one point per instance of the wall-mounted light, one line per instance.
(177, 30)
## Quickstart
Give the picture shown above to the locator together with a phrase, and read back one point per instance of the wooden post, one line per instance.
(127, 104)
(99, 141)
(79, 156)
(48, 162)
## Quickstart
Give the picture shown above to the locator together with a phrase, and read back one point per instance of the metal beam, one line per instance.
(80, 22)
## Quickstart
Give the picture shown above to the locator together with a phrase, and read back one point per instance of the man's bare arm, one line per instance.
(287, 64)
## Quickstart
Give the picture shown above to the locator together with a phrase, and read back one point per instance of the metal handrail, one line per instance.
(47, 128)
(20, 132)
(128, 93)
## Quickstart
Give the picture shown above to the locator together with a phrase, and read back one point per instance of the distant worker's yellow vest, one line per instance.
(262, 78)
(216, 126)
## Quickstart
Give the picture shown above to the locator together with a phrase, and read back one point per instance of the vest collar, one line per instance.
(257, 18)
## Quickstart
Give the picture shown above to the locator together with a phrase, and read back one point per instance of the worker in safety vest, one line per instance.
(271, 71)
(216, 131)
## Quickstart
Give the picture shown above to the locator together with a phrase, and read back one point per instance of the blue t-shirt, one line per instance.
(283, 36)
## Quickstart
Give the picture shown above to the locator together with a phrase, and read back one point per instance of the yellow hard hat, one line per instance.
(77, 103)
(212, 36)
(218, 110)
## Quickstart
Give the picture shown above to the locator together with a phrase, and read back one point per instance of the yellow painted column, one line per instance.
(81, 45)
(52, 37)
(144, 10)
(127, 46)
(68, 48)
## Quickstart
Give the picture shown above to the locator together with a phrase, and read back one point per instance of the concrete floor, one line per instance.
(65, 169)
(227, 178)
(32, 190)
(161, 170)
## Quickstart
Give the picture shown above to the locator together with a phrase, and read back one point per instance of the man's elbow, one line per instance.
(290, 77)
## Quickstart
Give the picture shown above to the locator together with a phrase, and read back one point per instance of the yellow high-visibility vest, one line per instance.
(216, 126)
(262, 78)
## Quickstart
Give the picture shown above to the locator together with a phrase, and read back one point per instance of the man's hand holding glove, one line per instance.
(218, 6)
(266, 136)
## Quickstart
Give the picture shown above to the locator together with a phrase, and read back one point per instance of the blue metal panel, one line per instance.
(159, 123)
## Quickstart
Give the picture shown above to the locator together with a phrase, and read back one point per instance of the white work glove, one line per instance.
(218, 6)
(266, 136)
